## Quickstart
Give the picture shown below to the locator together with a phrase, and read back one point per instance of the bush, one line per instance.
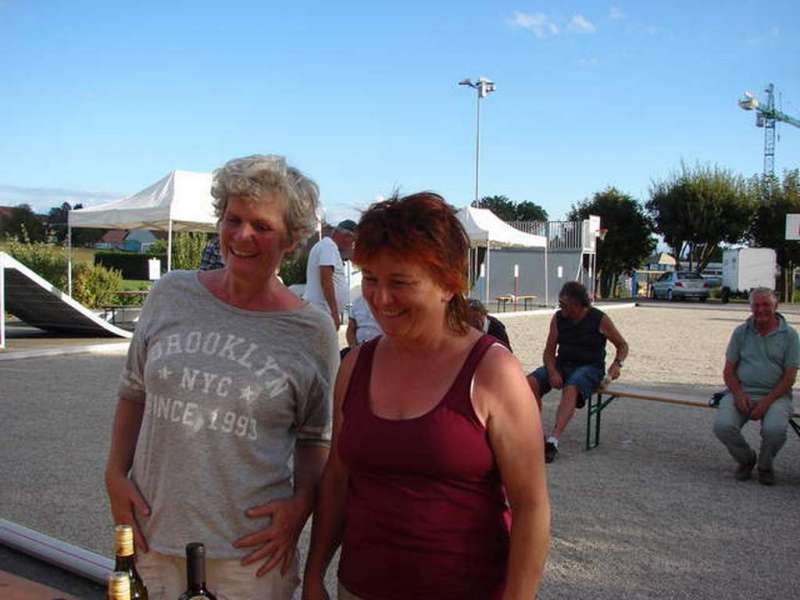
(187, 249)
(43, 259)
(92, 286)
(293, 269)
(95, 286)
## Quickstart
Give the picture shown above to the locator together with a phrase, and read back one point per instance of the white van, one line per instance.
(746, 268)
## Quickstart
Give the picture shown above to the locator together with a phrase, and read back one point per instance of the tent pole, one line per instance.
(2, 301)
(487, 272)
(169, 247)
(469, 270)
(546, 266)
(69, 257)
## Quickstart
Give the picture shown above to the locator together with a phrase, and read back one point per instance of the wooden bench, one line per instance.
(605, 395)
(132, 294)
(113, 308)
(503, 301)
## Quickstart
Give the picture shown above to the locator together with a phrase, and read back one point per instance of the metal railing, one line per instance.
(561, 235)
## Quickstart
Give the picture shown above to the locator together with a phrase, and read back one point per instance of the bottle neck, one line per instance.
(124, 563)
(196, 574)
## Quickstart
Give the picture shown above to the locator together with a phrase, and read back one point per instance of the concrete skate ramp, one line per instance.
(34, 300)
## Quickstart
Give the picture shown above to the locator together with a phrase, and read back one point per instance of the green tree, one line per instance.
(501, 206)
(57, 223)
(530, 211)
(768, 230)
(629, 238)
(23, 224)
(697, 209)
(508, 210)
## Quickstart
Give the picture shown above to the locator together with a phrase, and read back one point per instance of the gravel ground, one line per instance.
(653, 512)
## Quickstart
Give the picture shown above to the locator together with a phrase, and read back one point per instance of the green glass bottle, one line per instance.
(196, 573)
(125, 560)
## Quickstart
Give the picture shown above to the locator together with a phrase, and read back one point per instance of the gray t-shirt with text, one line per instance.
(227, 393)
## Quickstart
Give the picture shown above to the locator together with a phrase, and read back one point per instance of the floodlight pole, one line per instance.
(483, 87)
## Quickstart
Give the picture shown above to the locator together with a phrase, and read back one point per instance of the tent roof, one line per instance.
(484, 228)
(183, 197)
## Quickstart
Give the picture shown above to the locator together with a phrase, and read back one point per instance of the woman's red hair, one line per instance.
(424, 229)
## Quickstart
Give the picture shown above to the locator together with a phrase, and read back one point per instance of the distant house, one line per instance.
(5, 211)
(112, 239)
(140, 240)
(660, 261)
(135, 240)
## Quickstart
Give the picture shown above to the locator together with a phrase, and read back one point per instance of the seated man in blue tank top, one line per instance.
(579, 332)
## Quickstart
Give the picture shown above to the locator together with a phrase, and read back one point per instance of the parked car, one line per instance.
(675, 285)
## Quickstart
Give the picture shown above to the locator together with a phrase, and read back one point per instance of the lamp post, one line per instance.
(483, 87)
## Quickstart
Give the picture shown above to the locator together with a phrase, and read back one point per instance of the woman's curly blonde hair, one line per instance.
(252, 176)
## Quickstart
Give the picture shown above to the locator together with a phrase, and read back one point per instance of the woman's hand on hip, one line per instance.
(126, 501)
(277, 543)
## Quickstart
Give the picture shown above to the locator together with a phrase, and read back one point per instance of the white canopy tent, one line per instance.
(485, 229)
(181, 201)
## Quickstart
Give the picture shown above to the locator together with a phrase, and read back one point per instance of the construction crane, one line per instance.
(766, 117)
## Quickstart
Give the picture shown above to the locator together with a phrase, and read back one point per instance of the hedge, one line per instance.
(132, 265)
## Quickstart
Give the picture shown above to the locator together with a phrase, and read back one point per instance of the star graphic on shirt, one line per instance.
(248, 394)
(164, 372)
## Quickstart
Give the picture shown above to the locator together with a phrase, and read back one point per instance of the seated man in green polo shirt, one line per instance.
(760, 368)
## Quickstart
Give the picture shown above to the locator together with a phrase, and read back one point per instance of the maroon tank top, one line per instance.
(426, 512)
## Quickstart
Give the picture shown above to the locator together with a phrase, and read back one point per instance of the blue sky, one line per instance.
(101, 99)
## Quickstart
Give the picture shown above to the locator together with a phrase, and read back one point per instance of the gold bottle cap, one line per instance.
(123, 540)
(119, 585)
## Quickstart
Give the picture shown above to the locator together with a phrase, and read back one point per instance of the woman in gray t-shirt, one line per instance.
(223, 420)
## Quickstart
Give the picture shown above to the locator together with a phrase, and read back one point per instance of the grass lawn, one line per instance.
(133, 285)
(83, 255)
(79, 255)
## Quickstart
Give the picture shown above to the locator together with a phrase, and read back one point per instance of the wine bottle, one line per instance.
(125, 560)
(196, 573)
(119, 586)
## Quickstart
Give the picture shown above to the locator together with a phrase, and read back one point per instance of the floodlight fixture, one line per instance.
(484, 87)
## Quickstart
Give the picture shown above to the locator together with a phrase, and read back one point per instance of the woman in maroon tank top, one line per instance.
(435, 485)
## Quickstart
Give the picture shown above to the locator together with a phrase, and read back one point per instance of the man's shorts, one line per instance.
(586, 378)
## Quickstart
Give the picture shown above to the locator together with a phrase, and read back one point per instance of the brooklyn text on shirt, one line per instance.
(170, 362)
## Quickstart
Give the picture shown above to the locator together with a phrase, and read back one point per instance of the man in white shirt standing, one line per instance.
(326, 283)
(361, 326)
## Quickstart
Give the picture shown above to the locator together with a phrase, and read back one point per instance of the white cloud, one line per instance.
(615, 13)
(42, 199)
(581, 24)
(588, 62)
(539, 24)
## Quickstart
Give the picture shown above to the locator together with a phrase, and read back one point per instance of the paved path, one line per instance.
(34, 580)
(653, 512)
